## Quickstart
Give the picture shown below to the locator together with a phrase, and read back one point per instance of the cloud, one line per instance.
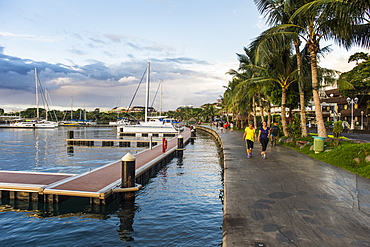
(117, 38)
(29, 37)
(127, 79)
(96, 40)
(100, 85)
(77, 51)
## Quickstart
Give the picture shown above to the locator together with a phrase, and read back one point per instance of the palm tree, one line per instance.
(278, 12)
(239, 97)
(280, 70)
(342, 21)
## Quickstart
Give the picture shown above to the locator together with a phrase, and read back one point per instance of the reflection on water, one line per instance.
(45, 150)
(180, 206)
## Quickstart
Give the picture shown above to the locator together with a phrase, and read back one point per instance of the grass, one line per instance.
(342, 156)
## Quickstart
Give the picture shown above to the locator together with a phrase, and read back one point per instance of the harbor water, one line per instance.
(180, 206)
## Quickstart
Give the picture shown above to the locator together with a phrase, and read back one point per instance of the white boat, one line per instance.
(35, 123)
(119, 122)
(152, 126)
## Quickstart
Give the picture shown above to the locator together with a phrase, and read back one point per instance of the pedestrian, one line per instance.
(221, 126)
(249, 136)
(226, 126)
(263, 138)
(274, 134)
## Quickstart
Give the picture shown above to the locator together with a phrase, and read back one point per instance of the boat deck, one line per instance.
(98, 183)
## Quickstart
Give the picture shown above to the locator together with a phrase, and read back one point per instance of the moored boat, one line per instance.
(35, 123)
(159, 125)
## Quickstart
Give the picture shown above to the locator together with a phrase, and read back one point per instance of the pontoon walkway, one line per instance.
(98, 184)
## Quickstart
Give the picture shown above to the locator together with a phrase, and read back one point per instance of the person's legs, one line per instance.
(249, 148)
(264, 143)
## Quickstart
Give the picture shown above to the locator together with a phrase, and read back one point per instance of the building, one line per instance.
(337, 107)
(131, 109)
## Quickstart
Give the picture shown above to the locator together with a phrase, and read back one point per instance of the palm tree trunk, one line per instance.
(261, 107)
(283, 112)
(268, 113)
(301, 87)
(321, 131)
(254, 111)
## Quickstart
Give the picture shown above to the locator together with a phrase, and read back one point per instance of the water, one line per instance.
(180, 206)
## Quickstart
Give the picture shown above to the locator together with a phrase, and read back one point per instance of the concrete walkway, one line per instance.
(290, 199)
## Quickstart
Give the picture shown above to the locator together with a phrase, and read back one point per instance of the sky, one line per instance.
(93, 53)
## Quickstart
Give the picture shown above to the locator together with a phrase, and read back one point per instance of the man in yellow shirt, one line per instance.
(249, 135)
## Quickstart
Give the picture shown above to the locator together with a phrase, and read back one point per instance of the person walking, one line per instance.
(263, 138)
(274, 134)
(249, 136)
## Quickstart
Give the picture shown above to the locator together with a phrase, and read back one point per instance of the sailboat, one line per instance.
(154, 126)
(36, 123)
(76, 122)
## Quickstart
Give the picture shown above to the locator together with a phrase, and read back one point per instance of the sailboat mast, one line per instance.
(147, 92)
(71, 108)
(161, 98)
(37, 96)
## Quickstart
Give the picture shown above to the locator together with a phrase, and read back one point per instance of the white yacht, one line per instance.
(35, 123)
(152, 126)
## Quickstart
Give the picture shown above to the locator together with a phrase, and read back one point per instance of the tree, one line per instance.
(277, 67)
(358, 56)
(356, 80)
(278, 12)
(342, 20)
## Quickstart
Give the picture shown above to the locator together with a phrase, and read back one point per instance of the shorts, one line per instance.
(249, 144)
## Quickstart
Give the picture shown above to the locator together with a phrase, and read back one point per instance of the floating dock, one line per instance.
(100, 185)
(112, 142)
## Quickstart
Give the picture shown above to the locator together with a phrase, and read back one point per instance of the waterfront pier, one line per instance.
(112, 142)
(101, 185)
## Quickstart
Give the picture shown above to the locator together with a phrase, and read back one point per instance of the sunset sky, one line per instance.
(97, 51)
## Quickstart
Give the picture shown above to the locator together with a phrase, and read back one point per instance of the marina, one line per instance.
(99, 184)
(179, 205)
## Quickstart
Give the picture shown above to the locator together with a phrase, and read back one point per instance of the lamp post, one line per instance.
(352, 102)
(339, 115)
(362, 120)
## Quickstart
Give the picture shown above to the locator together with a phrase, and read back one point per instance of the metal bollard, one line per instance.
(180, 147)
(180, 142)
(70, 136)
(128, 171)
(192, 136)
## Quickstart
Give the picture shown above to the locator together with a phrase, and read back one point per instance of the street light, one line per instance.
(362, 120)
(352, 102)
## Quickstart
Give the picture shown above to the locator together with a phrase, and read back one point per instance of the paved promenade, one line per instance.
(290, 199)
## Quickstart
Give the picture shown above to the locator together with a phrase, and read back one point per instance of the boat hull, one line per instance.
(147, 129)
(34, 125)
